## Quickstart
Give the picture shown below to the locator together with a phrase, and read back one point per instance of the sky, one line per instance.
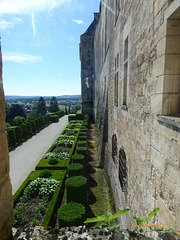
(40, 45)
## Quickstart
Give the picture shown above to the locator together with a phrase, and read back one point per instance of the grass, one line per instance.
(102, 193)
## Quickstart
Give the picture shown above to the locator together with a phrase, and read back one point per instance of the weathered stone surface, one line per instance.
(151, 141)
(6, 203)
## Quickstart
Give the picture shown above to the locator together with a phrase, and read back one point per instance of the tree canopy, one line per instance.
(54, 105)
(42, 106)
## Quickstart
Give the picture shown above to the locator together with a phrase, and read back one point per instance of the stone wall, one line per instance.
(136, 103)
(87, 68)
(6, 203)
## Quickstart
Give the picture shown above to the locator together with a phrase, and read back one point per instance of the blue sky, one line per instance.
(40, 45)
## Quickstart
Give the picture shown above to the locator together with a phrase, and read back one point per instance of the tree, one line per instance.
(15, 110)
(54, 105)
(66, 111)
(18, 120)
(41, 106)
(33, 115)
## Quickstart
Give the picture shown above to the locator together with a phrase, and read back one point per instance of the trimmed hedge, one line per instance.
(78, 158)
(11, 135)
(75, 169)
(57, 175)
(81, 150)
(24, 131)
(76, 190)
(43, 163)
(82, 137)
(53, 161)
(33, 126)
(18, 132)
(71, 214)
(81, 143)
(54, 118)
(29, 129)
(71, 117)
(82, 133)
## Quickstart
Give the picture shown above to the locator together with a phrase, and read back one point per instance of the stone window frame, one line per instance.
(167, 75)
(117, 9)
(126, 69)
(114, 148)
(123, 171)
(116, 80)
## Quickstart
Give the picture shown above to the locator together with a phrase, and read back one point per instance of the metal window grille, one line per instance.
(123, 170)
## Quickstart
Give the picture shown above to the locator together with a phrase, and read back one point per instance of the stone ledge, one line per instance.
(170, 122)
(124, 107)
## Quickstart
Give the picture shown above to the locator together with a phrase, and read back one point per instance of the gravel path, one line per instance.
(25, 157)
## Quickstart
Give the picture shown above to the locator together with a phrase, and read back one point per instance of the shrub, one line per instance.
(79, 116)
(40, 122)
(11, 135)
(82, 137)
(24, 131)
(45, 174)
(18, 132)
(71, 214)
(53, 161)
(61, 149)
(81, 150)
(29, 129)
(82, 143)
(18, 120)
(76, 190)
(75, 169)
(82, 133)
(45, 120)
(37, 124)
(54, 118)
(78, 158)
(84, 129)
(33, 125)
(71, 117)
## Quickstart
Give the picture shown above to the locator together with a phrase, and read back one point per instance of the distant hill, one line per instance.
(15, 97)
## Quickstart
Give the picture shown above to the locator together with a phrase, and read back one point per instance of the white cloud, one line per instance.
(4, 24)
(21, 58)
(29, 6)
(33, 25)
(78, 21)
(60, 74)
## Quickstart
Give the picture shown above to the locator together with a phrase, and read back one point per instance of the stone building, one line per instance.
(6, 202)
(135, 51)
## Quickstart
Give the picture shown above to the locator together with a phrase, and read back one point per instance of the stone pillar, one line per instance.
(6, 202)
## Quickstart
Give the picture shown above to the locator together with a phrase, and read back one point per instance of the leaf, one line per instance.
(97, 219)
(139, 221)
(113, 225)
(120, 213)
(151, 214)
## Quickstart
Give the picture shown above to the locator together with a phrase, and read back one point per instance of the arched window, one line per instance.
(123, 170)
(114, 147)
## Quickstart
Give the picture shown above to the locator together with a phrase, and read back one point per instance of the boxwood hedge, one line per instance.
(57, 175)
(76, 190)
(79, 158)
(71, 214)
(75, 169)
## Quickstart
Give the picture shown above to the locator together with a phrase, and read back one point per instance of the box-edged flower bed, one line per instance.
(62, 149)
(38, 198)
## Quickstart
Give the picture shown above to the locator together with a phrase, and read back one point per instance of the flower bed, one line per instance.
(62, 149)
(37, 198)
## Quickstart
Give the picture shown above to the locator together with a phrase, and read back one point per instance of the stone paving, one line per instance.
(25, 157)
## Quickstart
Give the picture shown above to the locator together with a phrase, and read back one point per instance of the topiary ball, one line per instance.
(71, 214)
(45, 174)
(53, 161)
(75, 169)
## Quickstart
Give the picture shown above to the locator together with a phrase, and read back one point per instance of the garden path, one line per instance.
(25, 157)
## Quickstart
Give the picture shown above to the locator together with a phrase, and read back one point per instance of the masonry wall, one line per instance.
(6, 203)
(145, 119)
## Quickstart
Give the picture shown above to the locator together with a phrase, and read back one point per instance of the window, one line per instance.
(171, 77)
(125, 80)
(117, 9)
(123, 170)
(114, 147)
(116, 80)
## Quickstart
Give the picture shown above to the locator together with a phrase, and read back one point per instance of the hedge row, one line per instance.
(17, 134)
(62, 164)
